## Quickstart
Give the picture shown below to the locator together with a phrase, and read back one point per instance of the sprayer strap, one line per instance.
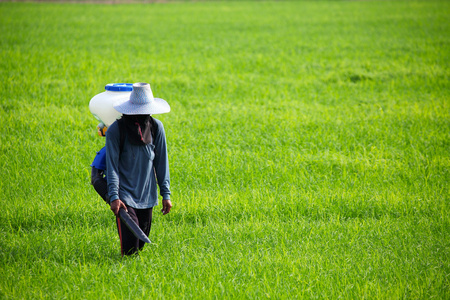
(122, 135)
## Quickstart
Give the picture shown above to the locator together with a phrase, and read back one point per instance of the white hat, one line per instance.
(142, 102)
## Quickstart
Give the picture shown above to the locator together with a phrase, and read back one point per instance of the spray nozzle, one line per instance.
(101, 129)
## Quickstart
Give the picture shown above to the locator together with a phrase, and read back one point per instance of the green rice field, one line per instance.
(309, 149)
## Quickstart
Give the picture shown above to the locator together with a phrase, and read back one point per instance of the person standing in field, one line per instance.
(136, 162)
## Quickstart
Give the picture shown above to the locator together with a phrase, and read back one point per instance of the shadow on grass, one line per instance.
(65, 238)
(287, 212)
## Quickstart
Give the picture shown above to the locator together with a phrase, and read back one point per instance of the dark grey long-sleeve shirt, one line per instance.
(133, 176)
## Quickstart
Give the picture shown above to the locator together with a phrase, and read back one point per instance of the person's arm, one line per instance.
(161, 165)
(112, 167)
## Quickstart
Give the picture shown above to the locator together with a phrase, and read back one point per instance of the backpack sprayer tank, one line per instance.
(102, 105)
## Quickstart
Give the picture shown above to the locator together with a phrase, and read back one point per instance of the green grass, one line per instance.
(309, 149)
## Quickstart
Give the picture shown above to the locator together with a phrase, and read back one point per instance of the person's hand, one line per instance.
(116, 205)
(167, 205)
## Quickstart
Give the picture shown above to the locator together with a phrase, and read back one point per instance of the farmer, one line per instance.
(136, 161)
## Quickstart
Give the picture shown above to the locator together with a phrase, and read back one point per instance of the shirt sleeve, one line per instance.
(112, 160)
(161, 162)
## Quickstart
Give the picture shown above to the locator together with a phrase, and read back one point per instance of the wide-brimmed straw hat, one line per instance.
(142, 102)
